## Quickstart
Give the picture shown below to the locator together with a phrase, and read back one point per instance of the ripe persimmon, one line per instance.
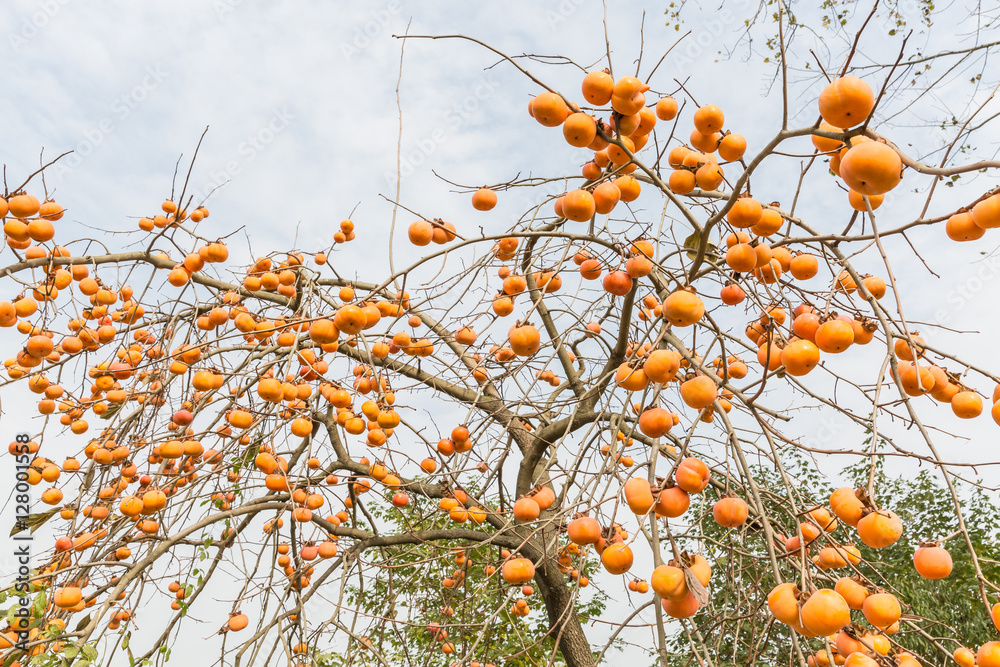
(666, 108)
(732, 147)
(549, 109)
(617, 558)
(683, 308)
(730, 511)
(692, 475)
(579, 129)
(825, 612)
(578, 205)
(484, 199)
(932, 561)
(597, 87)
(708, 119)
(518, 571)
(584, 530)
(846, 102)
(879, 529)
(871, 168)
(699, 392)
(420, 233)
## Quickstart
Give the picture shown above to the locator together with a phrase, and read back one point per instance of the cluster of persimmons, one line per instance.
(157, 377)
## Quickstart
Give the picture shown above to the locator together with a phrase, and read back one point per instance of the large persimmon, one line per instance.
(420, 233)
(684, 608)
(825, 612)
(804, 266)
(23, 205)
(579, 129)
(525, 340)
(962, 227)
(617, 558)
(484, 199)
(638, 495)
(672, 502)
(966, 404)
(730, 511)
(606, 197)
(741, 258)
(682, 181)
(683, 308)
(629, 187)
(834, 336)
(824, 144)
(732, 147)
(627, 95)
(584, 530)
(871, 168)
(986, 214)
(518, 571)
(853, 592)
(655, 422)
(692, 475)
(578, 206)
(770, 223)
(597, 87)
(879, 529)
(666, 108)
(783, 602)
(932, 561)
(708, 119)
(846, 504)
(669, 583)
(618, 283)
(350, 319)
(549, 109)
(881, 610)
(799, 357)
(631, 378)
(699, 392)
(526, 509)
(846, 102)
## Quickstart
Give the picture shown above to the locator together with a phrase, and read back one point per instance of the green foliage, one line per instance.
(409, 597)
(928, 513)
(738, 625)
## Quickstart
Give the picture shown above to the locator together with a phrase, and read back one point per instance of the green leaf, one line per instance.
(38, 605)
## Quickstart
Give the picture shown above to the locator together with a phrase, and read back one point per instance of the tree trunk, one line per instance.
(564, 625)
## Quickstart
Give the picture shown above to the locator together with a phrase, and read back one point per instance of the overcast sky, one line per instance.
(300, 105)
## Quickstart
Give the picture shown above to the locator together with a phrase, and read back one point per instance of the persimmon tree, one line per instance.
(595, 415)
(741, 609)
